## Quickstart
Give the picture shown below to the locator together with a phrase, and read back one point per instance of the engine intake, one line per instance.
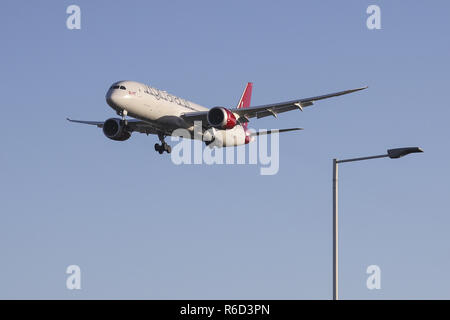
(222, 118)
(115, 129)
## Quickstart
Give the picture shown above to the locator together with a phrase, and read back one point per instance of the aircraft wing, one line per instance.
(133, 125)
(269, 109)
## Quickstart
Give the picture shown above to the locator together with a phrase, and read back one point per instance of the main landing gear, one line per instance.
(163, 146)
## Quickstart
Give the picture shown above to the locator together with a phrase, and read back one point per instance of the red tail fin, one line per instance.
(244, 102)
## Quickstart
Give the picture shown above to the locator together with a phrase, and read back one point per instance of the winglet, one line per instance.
(357, 89)
(362, 88)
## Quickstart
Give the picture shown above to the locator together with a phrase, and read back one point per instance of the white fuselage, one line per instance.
(163, 111)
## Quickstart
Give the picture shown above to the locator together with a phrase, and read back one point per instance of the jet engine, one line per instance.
(221, 118)
(115, 129)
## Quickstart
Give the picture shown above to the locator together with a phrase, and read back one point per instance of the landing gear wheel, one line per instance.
(166, 147)
(159, 148)
(163, 146)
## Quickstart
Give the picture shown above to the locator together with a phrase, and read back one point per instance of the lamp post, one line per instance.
(391, 153)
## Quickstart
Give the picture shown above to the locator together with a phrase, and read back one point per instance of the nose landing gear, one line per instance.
(163, 146)
(123, 114)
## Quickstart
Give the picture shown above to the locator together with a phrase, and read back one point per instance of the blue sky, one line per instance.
(141, 227)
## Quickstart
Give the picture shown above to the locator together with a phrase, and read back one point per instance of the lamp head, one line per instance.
(401, 152)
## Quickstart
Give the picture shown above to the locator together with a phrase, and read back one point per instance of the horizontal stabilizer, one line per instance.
(259, 133)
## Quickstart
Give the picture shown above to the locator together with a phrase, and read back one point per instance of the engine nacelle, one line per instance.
(221, 118)
(115, 129)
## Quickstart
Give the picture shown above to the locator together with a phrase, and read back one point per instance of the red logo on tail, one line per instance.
(244, 102)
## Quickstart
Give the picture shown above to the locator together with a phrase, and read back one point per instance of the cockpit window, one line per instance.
(118, 87)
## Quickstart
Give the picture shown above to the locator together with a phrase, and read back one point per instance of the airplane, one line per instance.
(161, 113)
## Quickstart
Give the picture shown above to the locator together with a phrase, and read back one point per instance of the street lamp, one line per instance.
(391, 153)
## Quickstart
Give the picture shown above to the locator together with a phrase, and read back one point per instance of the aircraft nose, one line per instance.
(108, 97)
(114, 99)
